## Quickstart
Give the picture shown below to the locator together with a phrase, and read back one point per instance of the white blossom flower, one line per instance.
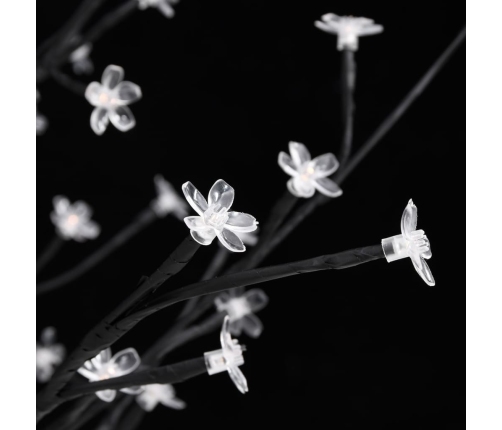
(104, 366)
(154, 394)
(348, 29)
(80, 61)
(73, 221)
(111, 98)
(309, 175)
(49, 354)
(410, 243)
(215, 220)
(228, 358)
(241, 309)
(168, 200)
(41, 119)
(165, 6)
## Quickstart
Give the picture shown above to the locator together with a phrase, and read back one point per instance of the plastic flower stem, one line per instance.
(133, 418)
(112, 418)
(171, 374)
(49, 252)
(73, 414)
(348, 78)
(142, 220)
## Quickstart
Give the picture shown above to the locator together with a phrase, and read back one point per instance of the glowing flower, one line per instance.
(215, 219)
(309, 175)
(241, 309)
(73, 221)
(228, 358)
(168, 200)
(104, 366)
(154, 394)
(410, 243)
(41, 119)
(348, 29)
(163, 5)
(80, 61)
(49, 354)
(111, 98)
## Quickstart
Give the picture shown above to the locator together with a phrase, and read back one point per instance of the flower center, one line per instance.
(216, 216)
(237, 308)
(106, 98)
(72, 220)
(307, 171)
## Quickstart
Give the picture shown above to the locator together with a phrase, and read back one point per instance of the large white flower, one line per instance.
(309, 175)
(154, 394)
(164, 6)
(49, 354)
(111, 98)
(73, 221)
(215, 220)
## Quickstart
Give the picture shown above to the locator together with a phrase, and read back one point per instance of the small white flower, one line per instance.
(168, 200)
(80, 61)
(104, 366)
(49, 354)
(41, 119)
(309, 175)
(215, 220)
(154, 394)
(73, 221)
(111, 98)
(163, 5)
(241, 309)
(348, 29)
(228, 358)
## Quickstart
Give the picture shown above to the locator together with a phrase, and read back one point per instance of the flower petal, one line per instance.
(204, 237)
(252, 325)
(125, 361)
(112, 76)
(230, 241)
(287, 164)
(239, 379)
(195, 223)
(134, 390)
(122, 118)
(194, 198)
(86, 373)
(409, 220)
(92, 93)
(324, 165)
(106, 395)
(327, 187)
(99, 120)
(299, 153)
(61, 204)
(128, 92)
(300, 188)
(166, 9)
(221, 193)
(422, 269)
(174, 403)
(241, 222)
(257, 299)
(369, 30)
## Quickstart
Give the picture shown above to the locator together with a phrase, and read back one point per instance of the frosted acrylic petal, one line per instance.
(422, 269)
(195, 223)
(257, 299)
(221, 193)
(166, 9)
(112, 76)
(92, 93)
(194, 198)
(81, 209)
(174, 403)
(327, 187)
(132, 390)
(239, 379)
(146, 402)
(252, 325)
(368, 31)
(236, 327)
(204, 237)
(324, 165)
(106, 395)
(231, 241)
(61, 204)
(86, 373)
(125, 361)
(409, 220)
(105, 355)
(328, 28)
(122, 118)
(99, 120)
(306, 191)
(90, 230)
(241, 222)
(299, 153)
(287, 164)
(128, 92)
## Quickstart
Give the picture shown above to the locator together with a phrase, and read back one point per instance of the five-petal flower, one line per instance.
(111, 98)
(241, 309)
(215, 220)
(410, 243)
(165, 6)
(104, 366)
(228, 358)
(348, 29)
(154, 394)
(73, 221)
(168, 200)
(307, 174)
(49, 354)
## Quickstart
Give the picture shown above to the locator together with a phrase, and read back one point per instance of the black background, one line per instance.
(226, 85)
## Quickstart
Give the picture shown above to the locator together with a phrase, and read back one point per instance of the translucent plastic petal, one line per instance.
(299, 153)
(328, 28)
(166, 8)
(204, 237)
(61, 204)
(252, 325)
(194, 198)
(99, 120)
(368, 31)
(231, 241)
(105, 355)
(257, 299)
(89, 230)
(146, 402)
(324, 165)
(195, 223)
(409, 220)
(106, 395)
(125, 361)
(132, 390)
(327, 187)
(48, 336)
(307, 190)
(127, 92)
(225, 338)
(241, 222)
(287, 164)
(174, 403)
(221, 193)
(423, 269)
(92, 93)
(236, 327)
(86, 373)
(239, 379)
(122, 118)
(112, 76)
(81, 209)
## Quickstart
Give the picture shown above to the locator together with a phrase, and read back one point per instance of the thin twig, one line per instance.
(348, 78)
(49, 252)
